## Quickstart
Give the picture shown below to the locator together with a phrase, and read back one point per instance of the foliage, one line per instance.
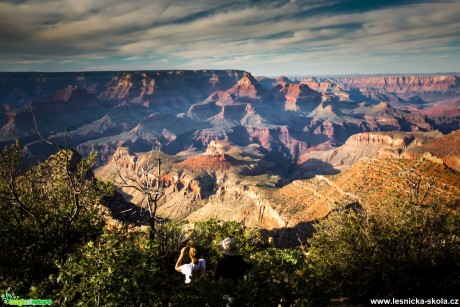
(277, 275)
(57, 247)
(206, 235)
(45, 213)
(403, 250)
(124, 268)
(119, 269)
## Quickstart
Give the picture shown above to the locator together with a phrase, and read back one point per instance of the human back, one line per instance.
(195, 268)
(231, 266)
(197, 264)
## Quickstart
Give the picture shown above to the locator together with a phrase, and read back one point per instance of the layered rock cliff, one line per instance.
(292, 209)
(186, 110)
(444, 147)
(422, 87)
(381, 145)
(297, 97)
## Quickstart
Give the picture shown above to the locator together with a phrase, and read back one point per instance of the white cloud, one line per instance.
(200, 34)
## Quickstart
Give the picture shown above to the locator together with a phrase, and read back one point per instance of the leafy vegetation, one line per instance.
(55, 244)
(403, 250)
(46, 213)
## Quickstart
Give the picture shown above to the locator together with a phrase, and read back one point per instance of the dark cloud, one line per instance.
(359, 6)
(260, 34)
(223, 8)
(197, 15)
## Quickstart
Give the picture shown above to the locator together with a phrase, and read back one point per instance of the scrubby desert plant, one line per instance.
(401, 250)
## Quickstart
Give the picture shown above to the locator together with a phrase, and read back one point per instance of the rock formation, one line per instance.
(188, 109)
(381, 145)
(230, 194)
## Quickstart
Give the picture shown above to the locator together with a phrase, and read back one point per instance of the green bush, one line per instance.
(119, 269)
(124, 268)
(55, 247)
(277, 276)
(46, 212)
(401, 250)
(206, 235)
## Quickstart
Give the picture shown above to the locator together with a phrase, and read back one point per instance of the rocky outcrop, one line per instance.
(64, 94)
(427, 88)
(208, 163)
(118, 88)
(246, 90)
(442, 147)
(278, 141)
(245, 204)
(371, 145)
(392, 140)
(320, 85)
(376, 180)
(297, 97)
(382, 145)
(183, 110)
(404, 83)
(247, 86)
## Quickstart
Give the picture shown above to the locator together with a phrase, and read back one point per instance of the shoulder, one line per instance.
(186, 267)
(201, 265)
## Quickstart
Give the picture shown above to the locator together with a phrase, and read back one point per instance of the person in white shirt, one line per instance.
(193, 269)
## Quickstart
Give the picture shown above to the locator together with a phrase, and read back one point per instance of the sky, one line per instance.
(266, 38)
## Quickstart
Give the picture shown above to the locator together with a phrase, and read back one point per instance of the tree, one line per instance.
(120, 268)
(402, 250)
(46, 212)
(147, 181)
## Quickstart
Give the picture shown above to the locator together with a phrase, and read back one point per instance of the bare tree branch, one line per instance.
(40, 135)
(142, 181)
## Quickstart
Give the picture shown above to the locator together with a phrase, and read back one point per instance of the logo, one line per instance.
(14, 300)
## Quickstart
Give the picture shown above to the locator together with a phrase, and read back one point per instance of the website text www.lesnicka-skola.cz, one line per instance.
(415, 301)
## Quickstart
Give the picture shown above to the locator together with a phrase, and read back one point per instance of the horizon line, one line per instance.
(295, 75)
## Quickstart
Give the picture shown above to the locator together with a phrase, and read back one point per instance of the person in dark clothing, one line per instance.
(232, 266)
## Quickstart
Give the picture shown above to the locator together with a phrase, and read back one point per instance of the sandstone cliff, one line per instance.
(283, 211)
(424, 87)
(182, 110)
(444, 147)
(381, 145)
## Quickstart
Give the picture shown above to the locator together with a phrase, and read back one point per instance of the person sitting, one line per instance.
(193, 269)
(232, 266)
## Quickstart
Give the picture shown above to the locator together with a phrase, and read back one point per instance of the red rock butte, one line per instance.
(208, 163)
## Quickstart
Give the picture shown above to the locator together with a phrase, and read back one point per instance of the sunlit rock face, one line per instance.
(235, 148)
(186, 110)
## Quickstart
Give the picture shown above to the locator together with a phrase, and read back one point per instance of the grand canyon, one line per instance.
(276, 153)
(229, 153)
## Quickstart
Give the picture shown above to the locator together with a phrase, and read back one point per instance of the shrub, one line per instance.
(46, 212)
(403, 250)
(119, 269)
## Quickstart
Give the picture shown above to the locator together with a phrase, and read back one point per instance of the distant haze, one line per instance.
(309, 37)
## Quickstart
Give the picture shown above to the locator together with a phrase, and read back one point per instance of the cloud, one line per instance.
(28, 62)
(229, 34)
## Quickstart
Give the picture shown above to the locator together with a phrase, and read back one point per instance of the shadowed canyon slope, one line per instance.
(224, 183)
(185, 110)
(382, 145)
(232, 144)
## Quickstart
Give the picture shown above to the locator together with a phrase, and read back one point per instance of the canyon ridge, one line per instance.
(276, 153)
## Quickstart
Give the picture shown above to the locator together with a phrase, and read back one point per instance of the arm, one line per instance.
(203, 269)
(218, 271)
(179, 261)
